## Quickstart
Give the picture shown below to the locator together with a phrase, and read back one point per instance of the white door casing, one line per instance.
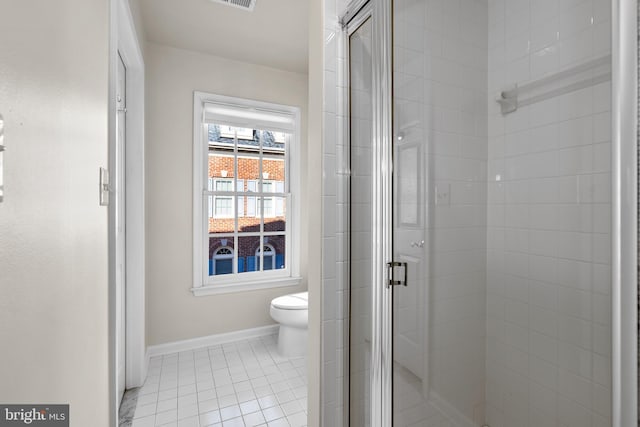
(126, 48)
(119, 198)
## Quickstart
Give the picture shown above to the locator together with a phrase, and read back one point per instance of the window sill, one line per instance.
(245, 286)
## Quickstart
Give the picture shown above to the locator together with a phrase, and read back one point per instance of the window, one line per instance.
(246, 204)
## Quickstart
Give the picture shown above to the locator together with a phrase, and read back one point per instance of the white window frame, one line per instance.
(258, 113)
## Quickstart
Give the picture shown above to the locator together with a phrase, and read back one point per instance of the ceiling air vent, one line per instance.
(247, 5)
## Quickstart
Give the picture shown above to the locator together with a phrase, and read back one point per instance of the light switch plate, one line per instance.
(2, 148)
(443, 194)
(104, 187)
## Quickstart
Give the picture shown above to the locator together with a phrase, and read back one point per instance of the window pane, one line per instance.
(268, 187)
(246, 134)
(223, 185)
(227, 132)
(220, 135)
(248, 179)
(279, 221)
(266, 255)
(271, 141)
(280, 137)
(247, 261)
(269, 207)
(248, 168)
(273, 171)
(221, 167)
(274, 252)
(221, 255)
(241, 200)
(221, 219)
(223, 207)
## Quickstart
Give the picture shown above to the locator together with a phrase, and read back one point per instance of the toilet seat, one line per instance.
(291, 302)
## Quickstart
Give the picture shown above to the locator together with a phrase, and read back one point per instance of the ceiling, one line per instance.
(275, 34)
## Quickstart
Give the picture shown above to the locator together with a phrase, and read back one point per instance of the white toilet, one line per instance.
(292, 312)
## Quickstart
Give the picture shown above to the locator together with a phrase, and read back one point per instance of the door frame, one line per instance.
(381, 369)
(124, 41)
(382, 315)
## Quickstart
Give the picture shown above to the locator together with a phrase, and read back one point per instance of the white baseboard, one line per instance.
(208, 341)
(457, 417)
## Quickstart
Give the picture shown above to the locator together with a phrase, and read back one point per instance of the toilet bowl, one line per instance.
(292, 313)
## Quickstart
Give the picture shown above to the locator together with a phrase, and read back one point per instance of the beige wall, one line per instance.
(53, 233)
(173, 313)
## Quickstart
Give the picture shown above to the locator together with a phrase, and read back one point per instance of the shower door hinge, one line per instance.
(391, 266)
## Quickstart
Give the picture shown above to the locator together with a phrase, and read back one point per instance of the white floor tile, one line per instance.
(281, 422)
(186, 390)
(234, 422)
(273, 413)
(244, 396)
(249, 407)
(285, 396)
(149, 421)
(206, 395)
(145, 410)
(254, 419)
(263, 391)
(187, 411)
(167, 405)
(208, 405)
(189, 422)
(147, 399)
(167, 417)
(297, 420)
(188, 400)
(210, 418)
(291, 408)
(268, 401)
(230, 412)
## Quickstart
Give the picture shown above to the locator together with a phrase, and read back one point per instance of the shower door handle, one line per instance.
(391, 268)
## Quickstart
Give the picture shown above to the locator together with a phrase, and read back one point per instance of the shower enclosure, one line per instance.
(479, 163)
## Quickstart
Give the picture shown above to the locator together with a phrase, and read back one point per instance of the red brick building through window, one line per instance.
(247, 211)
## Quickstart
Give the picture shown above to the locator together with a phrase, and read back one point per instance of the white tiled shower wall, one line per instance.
(548, 339)
(334, 225)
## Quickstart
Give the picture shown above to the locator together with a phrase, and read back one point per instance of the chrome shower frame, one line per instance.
(624, 202)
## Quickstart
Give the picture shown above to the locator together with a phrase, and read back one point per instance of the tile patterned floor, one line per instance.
(244, 383)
